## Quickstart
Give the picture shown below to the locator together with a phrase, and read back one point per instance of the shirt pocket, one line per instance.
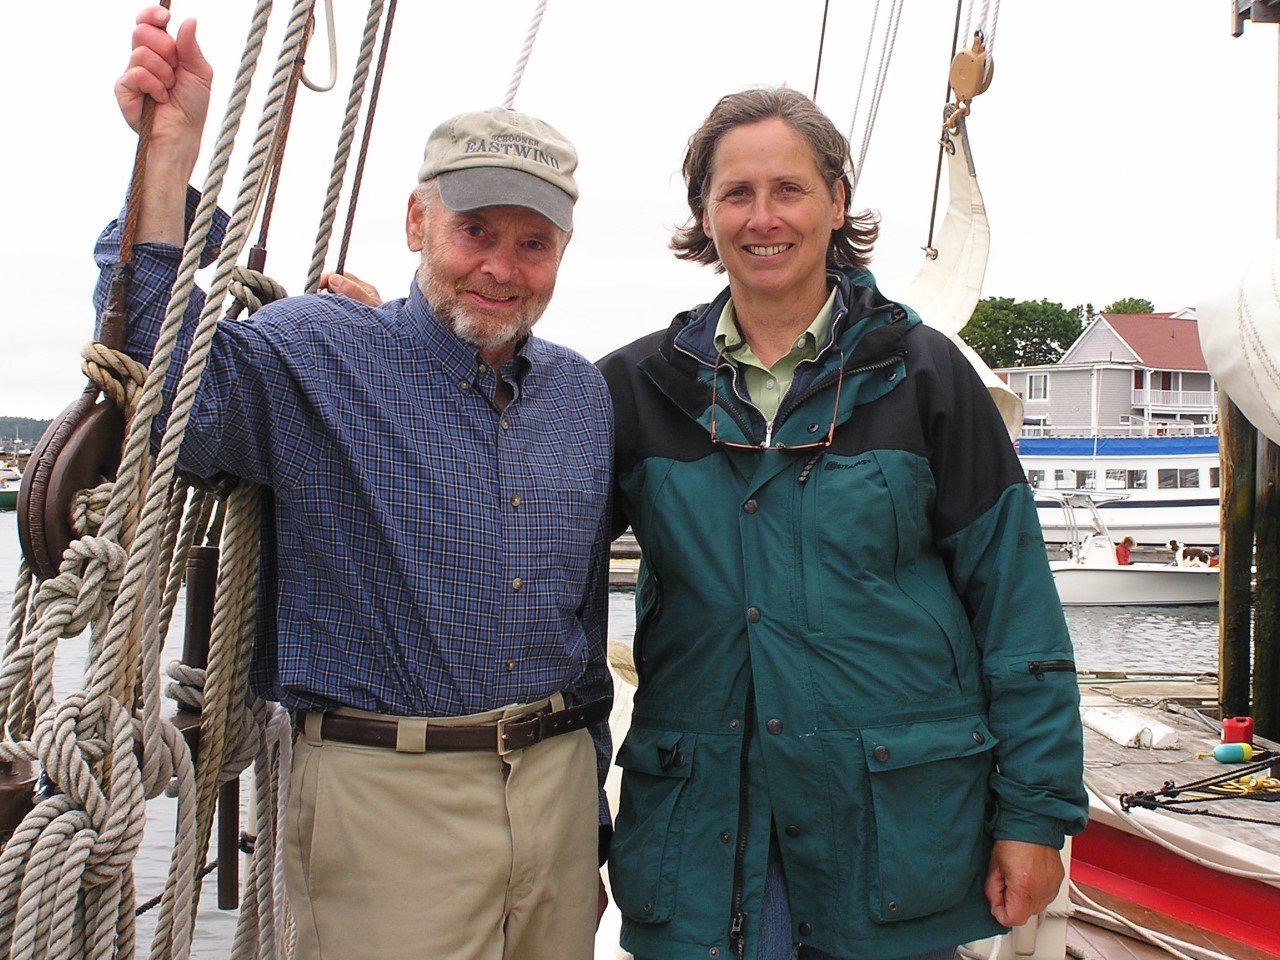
(930, 797)
(647, 838)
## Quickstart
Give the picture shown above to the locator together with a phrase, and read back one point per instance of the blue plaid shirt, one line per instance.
(431, 555)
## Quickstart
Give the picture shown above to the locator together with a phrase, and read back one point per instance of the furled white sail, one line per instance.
(947, 287)
(1240, 338)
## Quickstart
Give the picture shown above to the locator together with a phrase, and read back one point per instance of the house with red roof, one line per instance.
(1126, 375)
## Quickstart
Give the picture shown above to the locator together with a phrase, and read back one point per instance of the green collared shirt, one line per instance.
(766, 386)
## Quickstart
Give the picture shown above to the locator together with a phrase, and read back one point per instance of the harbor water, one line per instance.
(1159, 639)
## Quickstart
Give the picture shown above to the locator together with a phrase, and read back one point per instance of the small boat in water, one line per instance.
(1093, 575)
(10, 481)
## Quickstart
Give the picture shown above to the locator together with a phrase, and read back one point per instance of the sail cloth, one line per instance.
(1240, 339)
(947, 287)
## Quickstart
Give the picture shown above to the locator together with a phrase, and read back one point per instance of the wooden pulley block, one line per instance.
(971, 70)
(78, 450)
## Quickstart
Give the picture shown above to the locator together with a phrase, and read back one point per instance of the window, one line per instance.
(1059, 478)
(1084, 480)
(1179, 479)
(1215, 478)
(1035, 478)
(1137, 479)
(1115, 480)
(1037, 386)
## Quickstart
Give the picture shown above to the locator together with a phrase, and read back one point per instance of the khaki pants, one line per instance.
(443, 856)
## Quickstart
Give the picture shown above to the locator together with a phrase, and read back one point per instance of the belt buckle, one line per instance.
(501, 727)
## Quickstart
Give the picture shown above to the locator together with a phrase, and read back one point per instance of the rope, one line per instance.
(365, 137)
(857, 100)
(332, 32)
(929, 249)
(66, 880)
(822, 40)
(523, 59)
(882, 74)
(346, 136)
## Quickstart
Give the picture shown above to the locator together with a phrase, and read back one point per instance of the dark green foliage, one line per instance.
(1130, 305)
(1008, 333)
(20, 431)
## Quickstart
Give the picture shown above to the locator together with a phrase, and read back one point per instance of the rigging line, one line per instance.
(276, 160)
(342, 152)
(333, 55)
(365, 137)
(856, 173)
(523, 59)
(822, 40)
(882, 75)
(929, 250)
(132, 209)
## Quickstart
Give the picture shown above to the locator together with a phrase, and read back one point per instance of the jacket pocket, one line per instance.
(645, 854)
(929, 793)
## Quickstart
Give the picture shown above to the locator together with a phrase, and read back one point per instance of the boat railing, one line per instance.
(1139, 428)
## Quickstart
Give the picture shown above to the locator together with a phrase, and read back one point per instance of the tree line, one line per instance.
(1020, 333)
(20, 432)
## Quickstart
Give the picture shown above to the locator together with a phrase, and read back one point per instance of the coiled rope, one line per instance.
(66, 879)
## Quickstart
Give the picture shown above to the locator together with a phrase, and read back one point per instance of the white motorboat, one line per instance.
(1094, 576)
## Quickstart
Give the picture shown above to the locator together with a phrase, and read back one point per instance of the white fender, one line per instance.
(1240, 338)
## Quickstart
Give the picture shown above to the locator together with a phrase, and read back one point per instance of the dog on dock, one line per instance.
(1185, 556)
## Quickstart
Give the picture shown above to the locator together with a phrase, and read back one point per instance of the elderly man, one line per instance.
(435, 615)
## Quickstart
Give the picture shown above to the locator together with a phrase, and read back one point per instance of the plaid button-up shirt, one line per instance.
(429, 554)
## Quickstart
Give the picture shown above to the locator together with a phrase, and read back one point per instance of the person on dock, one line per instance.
(441, 478)
(856, 729)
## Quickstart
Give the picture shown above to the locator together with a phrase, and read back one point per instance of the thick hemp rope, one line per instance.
(66, 883)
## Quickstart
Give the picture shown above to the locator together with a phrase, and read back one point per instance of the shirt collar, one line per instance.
(728, 336)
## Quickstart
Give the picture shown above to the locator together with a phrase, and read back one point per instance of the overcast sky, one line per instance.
(1124, 149)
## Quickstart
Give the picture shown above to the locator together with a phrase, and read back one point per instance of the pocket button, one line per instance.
(881, 754)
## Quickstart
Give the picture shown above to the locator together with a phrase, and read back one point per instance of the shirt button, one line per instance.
(793, 831)
(753, 615)
(881, 754)
(517, 583)
(463, 385)
(774, 725)
(771, 383)
(799, 342)
(511, 665)
(804, 929)
(750, 506)
(504, 424)
(515, 501)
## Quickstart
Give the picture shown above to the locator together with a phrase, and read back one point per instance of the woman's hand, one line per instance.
(349, 285)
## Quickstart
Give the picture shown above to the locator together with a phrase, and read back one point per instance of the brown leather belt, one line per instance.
(502, 736)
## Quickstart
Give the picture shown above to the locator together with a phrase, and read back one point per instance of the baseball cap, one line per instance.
(500, 157)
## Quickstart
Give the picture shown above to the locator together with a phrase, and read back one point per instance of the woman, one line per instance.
(856, 729)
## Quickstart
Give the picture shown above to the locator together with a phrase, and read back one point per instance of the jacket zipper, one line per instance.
(743, 425)
(816, 388)
(738, 919)
(1038, 668)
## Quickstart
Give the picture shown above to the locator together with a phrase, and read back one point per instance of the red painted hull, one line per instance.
(1145, 873)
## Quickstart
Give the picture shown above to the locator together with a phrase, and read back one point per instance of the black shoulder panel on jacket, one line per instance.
(657, 400)
(970, 453)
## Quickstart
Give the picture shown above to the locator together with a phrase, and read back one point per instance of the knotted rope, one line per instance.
(66, 880)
